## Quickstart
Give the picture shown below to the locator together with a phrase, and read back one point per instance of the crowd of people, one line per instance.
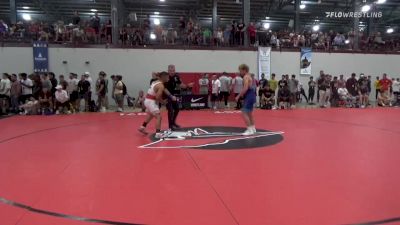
(325, 91)
(189, 32)
(45, 94)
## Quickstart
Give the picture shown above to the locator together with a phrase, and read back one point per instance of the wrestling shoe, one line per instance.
(248, 132)
(160, 135)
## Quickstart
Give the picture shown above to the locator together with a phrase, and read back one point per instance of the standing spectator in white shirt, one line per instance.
(237, 86)
(26, 85)
(215, 90)
(5, 87)
(204, 84)
(225, 88)
(72, 90)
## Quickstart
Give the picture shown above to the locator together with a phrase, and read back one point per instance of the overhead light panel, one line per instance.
(315, 28)
(302, 6)
(25, 7)
(26, 17)
(156, 13)
(390, 30)
(380, 1)
(365, 8)
(156, 21)
(93, 10)
(266, 25)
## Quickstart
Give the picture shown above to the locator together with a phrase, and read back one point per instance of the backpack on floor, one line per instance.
(130, 101)
(124, 91)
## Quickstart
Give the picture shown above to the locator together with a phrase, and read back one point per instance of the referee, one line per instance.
(174, 86)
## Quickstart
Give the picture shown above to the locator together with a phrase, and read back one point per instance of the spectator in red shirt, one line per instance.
(385, 83)
(252, 33)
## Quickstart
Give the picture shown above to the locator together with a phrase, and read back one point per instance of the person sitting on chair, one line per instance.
(62, 100)
(139, 103)
(46, 101)
(345, 96)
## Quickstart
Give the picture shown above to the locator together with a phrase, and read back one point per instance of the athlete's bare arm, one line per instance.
(160, 89)
(166, 92)
(246, 85)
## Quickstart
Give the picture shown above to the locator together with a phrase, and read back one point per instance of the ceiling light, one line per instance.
(346, 41)
(26, 17)
(156, 13)
(266, 25)
(25, 7)
(389, 30)
(156, 21)
(162, 0)
(365, 8)
(152, 36)
(267, 17)
(93, 10)
(302, 6)
(380, 1)
(315, 28)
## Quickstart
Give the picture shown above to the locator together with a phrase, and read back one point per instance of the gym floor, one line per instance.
(304, 167)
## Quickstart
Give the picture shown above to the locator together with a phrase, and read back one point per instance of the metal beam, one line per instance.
(215, 17)
(356, 29)
(297, 16)
(246, 19)
(13, 12)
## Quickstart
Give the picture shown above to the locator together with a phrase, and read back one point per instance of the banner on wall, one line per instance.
(264, 62)
(305, 61)
(40, 56)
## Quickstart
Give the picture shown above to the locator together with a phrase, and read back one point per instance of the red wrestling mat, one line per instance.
(303, 167)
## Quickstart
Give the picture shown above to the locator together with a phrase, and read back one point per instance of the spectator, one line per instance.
(46, 83)
(101, 92)
(240, 32)
(5, 87)
(385, 85)
(263, 83)
(363, 86)
(215, 90)
(46, 101)
(273, 83)
(352, 85)
(119, 93)
(76, 19)
(72, 90)
(15, 93)
(61, 100)
(95, 24)
(54, 82)
(283, 96)
(322, 90)
(26, 85)
(293, 85)
(30, 107)
(63, 82)
(251, 30)
(267, 98)
(345, 96)
(237, 86)
(341, 81)
(311, 90)
(204, 84)
(140, 101)
(225, 84)
(334, 85)
(84, 93)
(377, 87)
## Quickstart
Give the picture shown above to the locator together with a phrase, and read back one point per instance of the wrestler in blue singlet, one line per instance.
(250, 97)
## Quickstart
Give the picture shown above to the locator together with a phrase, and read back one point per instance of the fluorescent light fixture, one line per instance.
(267, 17)
(162, 0)
(156, 13)
(26, 17)
(93, 10)
(380, 1)
(315, 28)
(346, 41)
(302, 6)
(365, 8)
(156, 21)
(389, 30)
(152, 36)
(266, 25)
(25, 7)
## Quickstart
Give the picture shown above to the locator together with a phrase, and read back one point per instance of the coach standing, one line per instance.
(174, 86)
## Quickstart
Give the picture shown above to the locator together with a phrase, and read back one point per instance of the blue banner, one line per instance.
(40, 56)
(305, 61)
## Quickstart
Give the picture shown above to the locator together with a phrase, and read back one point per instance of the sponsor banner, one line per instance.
(305, 61)
(40, 56)
(194, 101)
(264, 62)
